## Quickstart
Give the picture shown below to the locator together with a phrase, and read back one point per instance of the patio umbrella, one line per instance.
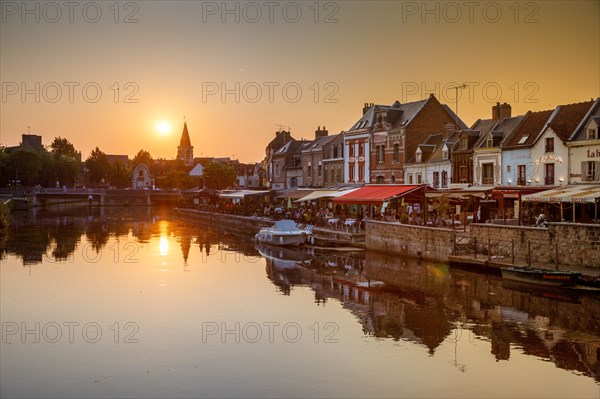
(289, 203)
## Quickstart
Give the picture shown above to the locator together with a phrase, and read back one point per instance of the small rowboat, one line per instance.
(532, 275)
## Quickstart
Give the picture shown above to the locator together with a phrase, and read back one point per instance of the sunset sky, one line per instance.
(296, 64)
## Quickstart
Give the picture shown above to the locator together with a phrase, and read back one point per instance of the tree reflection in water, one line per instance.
(391, 297)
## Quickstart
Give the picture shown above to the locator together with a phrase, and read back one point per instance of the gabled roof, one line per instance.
(502, 129)
(449, 143)
(318, 144)
(368, 119)
(457, 120)
(290, 147)
(568, 118)
(593, 114)
(428, 148)
(526, 134)
(280, 139)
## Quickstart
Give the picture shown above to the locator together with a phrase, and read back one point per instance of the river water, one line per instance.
(135, 302)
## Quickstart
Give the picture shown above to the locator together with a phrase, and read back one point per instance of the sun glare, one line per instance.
(163, 127)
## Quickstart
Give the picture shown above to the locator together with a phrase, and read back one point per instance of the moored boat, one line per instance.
(283, 232)
(532, 275)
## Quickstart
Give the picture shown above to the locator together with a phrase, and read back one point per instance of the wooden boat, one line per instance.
(532, 275)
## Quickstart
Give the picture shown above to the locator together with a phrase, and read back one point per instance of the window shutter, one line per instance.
(584, 171)
(597, 171)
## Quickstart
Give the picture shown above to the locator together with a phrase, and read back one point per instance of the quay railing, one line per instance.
(508, 251)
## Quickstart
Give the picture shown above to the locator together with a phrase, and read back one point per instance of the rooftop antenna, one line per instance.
(462, 86)
(281, 127)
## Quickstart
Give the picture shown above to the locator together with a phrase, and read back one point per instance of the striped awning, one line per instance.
(574, 193)
(317, 194)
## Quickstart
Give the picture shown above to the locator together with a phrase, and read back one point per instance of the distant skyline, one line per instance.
(122, 76)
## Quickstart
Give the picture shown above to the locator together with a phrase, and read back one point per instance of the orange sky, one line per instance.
(297, 64)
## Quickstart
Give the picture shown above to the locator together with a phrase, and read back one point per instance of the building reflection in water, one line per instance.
(391, 297)
(428, 304)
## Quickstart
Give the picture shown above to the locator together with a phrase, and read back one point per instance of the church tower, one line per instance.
(185, 151)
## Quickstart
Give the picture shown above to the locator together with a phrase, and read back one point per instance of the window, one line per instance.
(489, 142)
(309, 170)
(507, 168)
(351, 173)
(331, 152)
(277, 172)
(550, 144)
(521, 179)
(338, 176)
(463, 174)
(436, 179)
(396, 152)
(444, 179)
(487, 173)
(361, 149)
(523, 139)
(351, 149)
(592, 133)
(445, 153)
(380, 180)
(549, 179)
(361, 172)
(419, 178)
(341, 151)
(380, 154)
(410, 179)
(319, 170)
(590, 171)
(464, 143)
(393, 179)
(418, 155)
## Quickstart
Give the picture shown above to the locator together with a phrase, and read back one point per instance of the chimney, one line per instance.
(501, 111)
(366, 107)
(449, 129)
(320, 132)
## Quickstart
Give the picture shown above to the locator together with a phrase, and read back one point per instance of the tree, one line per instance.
(25, 166)
(66, 167)
(119, 175)
(63, 148)
(142, 156)
(97, 166)
(179, 179)
(219, 176)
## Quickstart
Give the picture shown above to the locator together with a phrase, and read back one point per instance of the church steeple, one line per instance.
(185, 150)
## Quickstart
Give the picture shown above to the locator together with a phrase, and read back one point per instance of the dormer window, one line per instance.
(464, 143)
(592, 133)
(489, 142)
(444, 153)
(418, 155)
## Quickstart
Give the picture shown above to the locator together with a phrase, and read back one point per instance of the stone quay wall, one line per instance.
(576, 244)
(417, 241)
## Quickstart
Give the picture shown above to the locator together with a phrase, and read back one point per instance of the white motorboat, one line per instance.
(283, 232)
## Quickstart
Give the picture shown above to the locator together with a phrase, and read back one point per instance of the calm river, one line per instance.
(136, 302)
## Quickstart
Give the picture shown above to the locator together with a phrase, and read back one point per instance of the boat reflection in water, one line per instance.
(428, 303)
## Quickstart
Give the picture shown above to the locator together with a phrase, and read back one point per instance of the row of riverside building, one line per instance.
(425, 143)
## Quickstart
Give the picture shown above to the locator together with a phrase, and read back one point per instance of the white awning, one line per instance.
(325, 194)
(243, 193)
(575, 193)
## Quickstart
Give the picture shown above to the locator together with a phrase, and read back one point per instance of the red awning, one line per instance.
(375, 194)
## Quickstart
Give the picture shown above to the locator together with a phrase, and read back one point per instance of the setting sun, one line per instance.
(163, 127)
